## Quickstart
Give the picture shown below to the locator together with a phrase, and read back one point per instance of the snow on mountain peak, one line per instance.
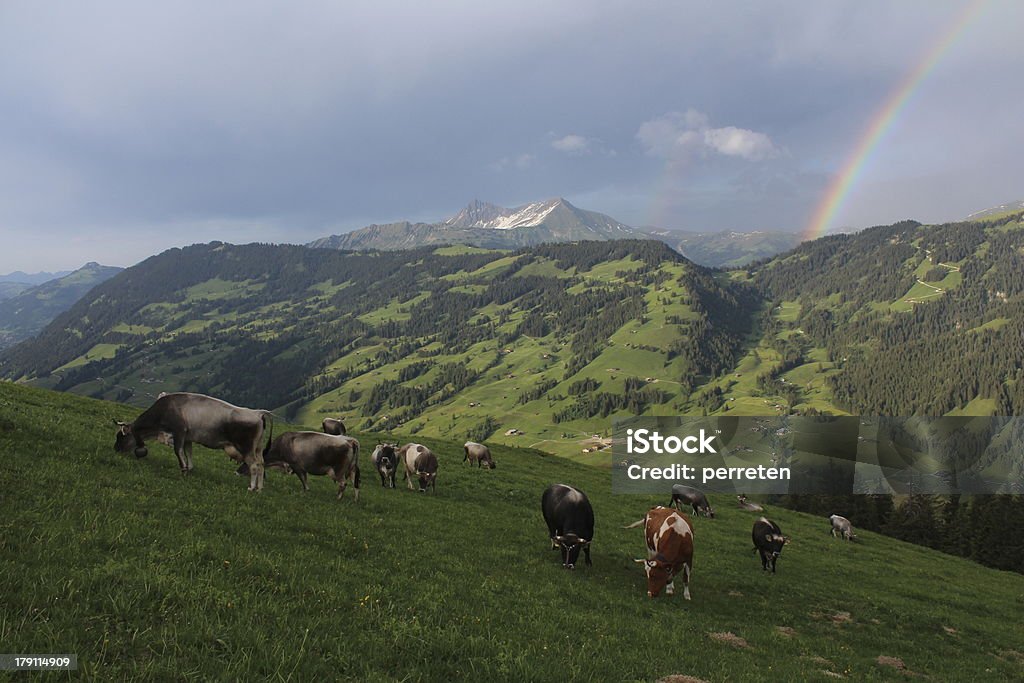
(483, 215)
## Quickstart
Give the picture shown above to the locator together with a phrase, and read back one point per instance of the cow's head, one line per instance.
(709, 512)
(426, 479)
(571, 545)
(490, 464)
(125, 441)
(775, 544)
(659, 573)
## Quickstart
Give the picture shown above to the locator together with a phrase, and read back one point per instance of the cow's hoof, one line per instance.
(141, 452)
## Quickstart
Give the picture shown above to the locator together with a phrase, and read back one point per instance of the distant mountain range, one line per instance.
(730, 249)
(486, 225)
(26, 312)
(556, 220)
(24, 278)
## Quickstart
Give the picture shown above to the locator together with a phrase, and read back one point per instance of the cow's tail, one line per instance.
(355, 461)
(268, 417)
(635, 524)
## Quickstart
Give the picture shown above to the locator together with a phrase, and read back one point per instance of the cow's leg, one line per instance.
(586, 553)
(408, 481)
(188, 455)
(301, 474)
(686, 581)
(255, 462)
(669, 588)
(179, 452)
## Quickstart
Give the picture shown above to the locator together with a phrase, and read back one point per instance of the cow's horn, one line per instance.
(639, 560)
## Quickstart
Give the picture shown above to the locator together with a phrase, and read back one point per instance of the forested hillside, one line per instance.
(452, 341)
(915, 319)
(545, 345)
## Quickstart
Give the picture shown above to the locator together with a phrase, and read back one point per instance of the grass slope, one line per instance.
(146, 575)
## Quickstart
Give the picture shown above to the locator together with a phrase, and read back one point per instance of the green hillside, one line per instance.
(548, 344)
(445, 341)
(144, 574)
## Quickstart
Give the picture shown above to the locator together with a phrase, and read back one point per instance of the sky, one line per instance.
(127, 128)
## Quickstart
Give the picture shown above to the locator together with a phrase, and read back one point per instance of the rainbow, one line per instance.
(882, 121)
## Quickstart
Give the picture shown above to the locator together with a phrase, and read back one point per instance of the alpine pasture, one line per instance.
(145, 574)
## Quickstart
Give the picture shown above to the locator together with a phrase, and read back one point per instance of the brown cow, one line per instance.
(669, 536)
(334, 426)
(478, 454)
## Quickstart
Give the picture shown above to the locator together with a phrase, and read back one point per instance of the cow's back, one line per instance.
(667, 530)
(563, 504)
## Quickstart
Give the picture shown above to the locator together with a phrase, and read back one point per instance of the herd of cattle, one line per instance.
(181, 419)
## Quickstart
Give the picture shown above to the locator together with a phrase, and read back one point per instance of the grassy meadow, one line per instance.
(148, 575)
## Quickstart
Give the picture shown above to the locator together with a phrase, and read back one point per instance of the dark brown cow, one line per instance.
(669, 536)
(181, 419)
(768, 541)
(420, 463)
(478, 454)
(334, 426)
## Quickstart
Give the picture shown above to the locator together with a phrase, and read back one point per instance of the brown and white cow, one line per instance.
(334, 426)
(669, 536)
(306, 453)
(181, 419)
(478, 454)
(420, 463)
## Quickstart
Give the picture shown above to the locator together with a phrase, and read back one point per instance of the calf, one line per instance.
(841, 526)
(747, 505)
(570, 520)
(306, 453)
(669, 537)
(334, 427)
(768, 540)
(181, 419)
(478, 454)
(420, 463)
(695, 498)
(385, 461)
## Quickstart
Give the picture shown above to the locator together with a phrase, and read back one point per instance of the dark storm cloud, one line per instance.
(129, 127)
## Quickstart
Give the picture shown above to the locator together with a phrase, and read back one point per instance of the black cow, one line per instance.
(385, 461)
(181, 419)
(306, 453)
(570, 520)
(334, 427)
(768, 540)
(695, 498)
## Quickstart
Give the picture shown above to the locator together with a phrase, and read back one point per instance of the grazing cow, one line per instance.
(841, 526)
(747, 505)
(669, 537)
(181, 419)
(768, 540)
(570, 520)
(478, 454)
(306, 453)
(695, 498)
(420, 463)
(385, 461)
(334, 427)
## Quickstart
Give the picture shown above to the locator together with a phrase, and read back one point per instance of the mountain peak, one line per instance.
(480, 214)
